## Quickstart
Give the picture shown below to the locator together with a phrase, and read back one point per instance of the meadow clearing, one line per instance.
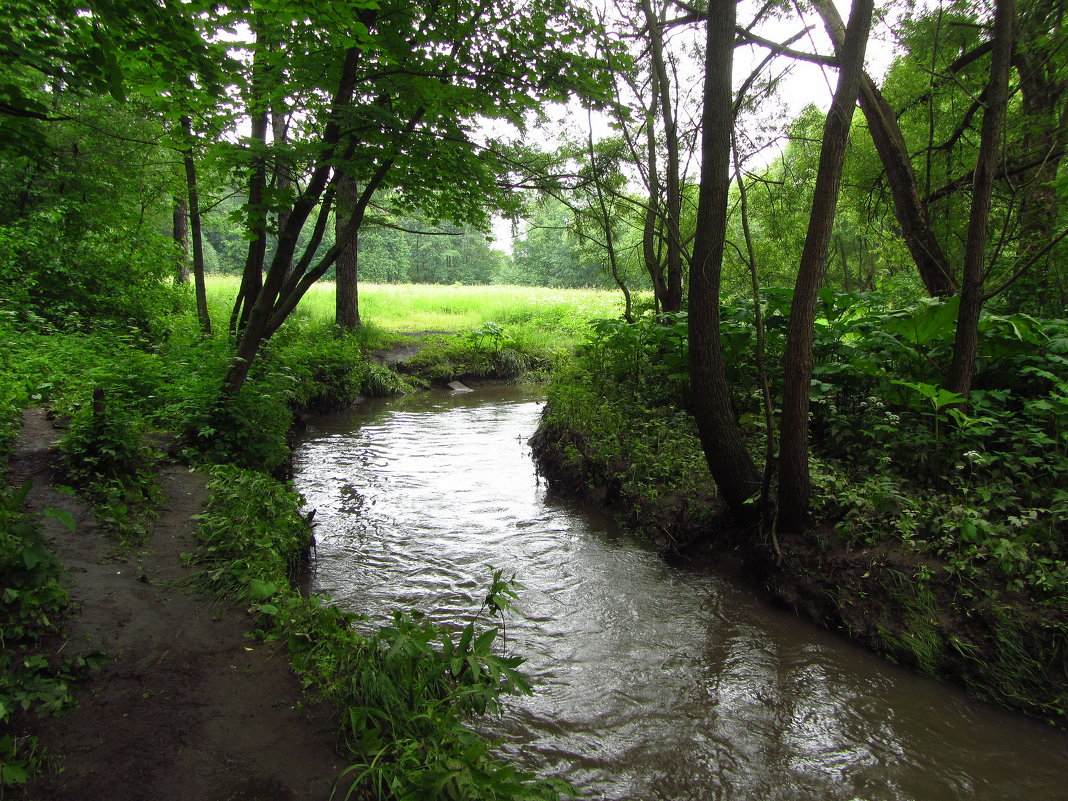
(396, 308)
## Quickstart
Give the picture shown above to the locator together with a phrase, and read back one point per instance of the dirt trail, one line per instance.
(188, 709)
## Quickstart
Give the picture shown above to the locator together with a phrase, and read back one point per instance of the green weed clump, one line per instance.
(109, 459)
(329, 365)
(32, 679)
(488, 351)
(402, 692)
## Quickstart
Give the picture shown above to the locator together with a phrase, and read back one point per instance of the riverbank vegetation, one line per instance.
(128, 399)
(936, 538)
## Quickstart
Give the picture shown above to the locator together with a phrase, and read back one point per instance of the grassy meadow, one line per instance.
(400, 308)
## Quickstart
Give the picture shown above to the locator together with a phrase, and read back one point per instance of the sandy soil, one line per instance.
(188, 708)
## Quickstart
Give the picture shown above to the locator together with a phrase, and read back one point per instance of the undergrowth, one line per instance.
(489, 351)
(644, 459)
(109, 459)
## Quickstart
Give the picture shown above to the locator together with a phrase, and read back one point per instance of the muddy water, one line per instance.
(651, 682)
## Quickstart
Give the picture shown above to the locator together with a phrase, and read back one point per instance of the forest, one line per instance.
(836, 236)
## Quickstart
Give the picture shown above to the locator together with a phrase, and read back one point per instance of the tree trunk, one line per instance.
(651, 249)
(346, 298)
(180, 234)
(252, 274)
(197, 237)
(760, 351)
(262, 305)
(731, 465)
(672, 300)
(283, 179)
(966, 340)
(794, 484)
(909, 209)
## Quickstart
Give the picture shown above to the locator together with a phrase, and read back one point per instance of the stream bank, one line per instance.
(185, 706)
(1003, 646)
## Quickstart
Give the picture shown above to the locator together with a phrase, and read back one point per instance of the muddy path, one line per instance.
(188, 708)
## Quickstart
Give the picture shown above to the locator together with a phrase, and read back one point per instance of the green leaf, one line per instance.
(65, 518)
(927, 322)
(34, 555)
(13, 773)
(261, 590)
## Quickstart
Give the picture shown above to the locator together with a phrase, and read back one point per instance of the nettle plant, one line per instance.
(109, 459)
(650, 355)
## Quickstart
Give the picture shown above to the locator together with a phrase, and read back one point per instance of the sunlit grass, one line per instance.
(427, 307)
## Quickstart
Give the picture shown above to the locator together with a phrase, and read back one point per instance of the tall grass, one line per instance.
(426, 307)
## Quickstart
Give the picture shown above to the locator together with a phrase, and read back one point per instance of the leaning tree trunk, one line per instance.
(794, 483)
(966, 340)
(731, 466)
(909, 209)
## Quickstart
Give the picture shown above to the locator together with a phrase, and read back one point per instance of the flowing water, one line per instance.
(651, 682)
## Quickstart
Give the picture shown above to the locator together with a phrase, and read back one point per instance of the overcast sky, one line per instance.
(805, 84)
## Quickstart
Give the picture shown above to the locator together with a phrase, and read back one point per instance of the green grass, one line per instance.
(426, 307)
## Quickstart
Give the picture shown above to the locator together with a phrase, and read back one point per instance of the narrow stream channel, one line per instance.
(651, 682)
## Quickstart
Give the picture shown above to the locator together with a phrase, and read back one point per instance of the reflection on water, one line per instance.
(651, 682)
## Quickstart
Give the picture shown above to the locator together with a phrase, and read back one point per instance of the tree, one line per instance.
(546, 253)
(85, 149)
(966, 339)
(670, 294)
(346, 297)
(910, 210)
(399, 115)
(731, 465)
(794, 484)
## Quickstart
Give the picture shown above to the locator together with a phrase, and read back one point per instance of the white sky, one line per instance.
(806, 83)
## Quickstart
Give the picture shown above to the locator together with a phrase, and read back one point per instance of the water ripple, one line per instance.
(651, 682)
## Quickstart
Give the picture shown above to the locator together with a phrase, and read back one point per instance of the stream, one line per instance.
(651, 681)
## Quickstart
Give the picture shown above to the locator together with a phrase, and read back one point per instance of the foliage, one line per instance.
(489, 351)
(405, 249)
(402, 691)
(547, 255)
(329, 366)
(248, 429)
(649, 356)
(901, 459)
(108, 458)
